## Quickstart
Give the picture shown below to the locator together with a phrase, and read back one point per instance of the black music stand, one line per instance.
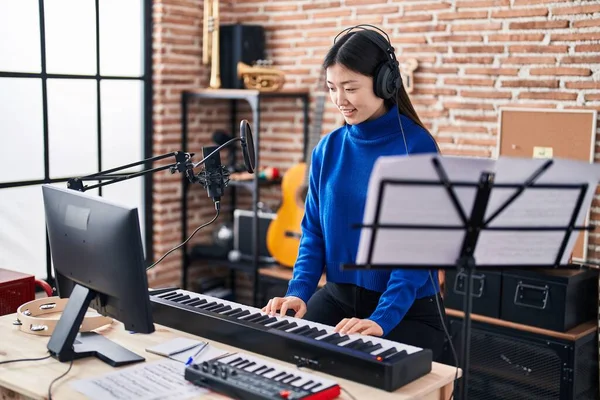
(472, 225)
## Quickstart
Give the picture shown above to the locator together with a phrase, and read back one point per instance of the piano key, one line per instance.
(169, 295)
(257, 368)
(313, 387)
(291, 381)
(188, 301)
(267, 371)
(268, 321)
(241, 314)
(387, 352)
(355, 344)
(207, 304)
(300, 330)
(395, 357)
(195, 302)
(176, 298)
(261, 319)
(234, 312)
(307, 384)
(223, 307)
(271, 373)
(250, 317)
(371, 348)
(282, 322)
(316, 333)
(213, 307)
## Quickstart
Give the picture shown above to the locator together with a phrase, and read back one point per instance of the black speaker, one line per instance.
(508, 363)
(245, 43)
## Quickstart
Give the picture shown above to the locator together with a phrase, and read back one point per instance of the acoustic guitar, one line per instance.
(283, 235)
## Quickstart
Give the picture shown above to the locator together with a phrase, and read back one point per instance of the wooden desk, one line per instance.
(30, 379)
(281, 273)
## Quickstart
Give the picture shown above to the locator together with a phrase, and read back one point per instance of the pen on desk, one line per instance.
(193, 358)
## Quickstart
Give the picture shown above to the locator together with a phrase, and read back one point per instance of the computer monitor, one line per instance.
(98, 258)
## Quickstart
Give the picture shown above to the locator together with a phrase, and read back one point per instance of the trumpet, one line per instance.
(210, 42)
(260, 78)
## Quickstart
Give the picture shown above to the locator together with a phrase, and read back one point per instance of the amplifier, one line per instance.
(510, 363)
(16, 289)
(242, 236)
(245, 43)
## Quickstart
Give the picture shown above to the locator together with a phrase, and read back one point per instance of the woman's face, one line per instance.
(353, 95)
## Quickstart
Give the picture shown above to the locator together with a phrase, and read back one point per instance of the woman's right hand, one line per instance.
(286, 303)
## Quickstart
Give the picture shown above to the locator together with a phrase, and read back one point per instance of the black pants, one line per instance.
(421, 326)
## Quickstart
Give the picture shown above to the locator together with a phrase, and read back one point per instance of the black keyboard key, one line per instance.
(199, 305)
(388, 352)
(307, 384)
(320, 332)
(288, 326)
(312, 388)
(235, 360)
(213, 307)
(252, 317)
(371, 349)
(167, 295)
(354, 345)
(331, 338)
(188, 301)
(267, 371)
(294, 380)
(171, 295)
(364, 346)
(243, 313)
(205, 305)
(340, 339)
(397, 357)
(194, 302)
(219, 309)
(252, 363)
(176, 298)
(261, 319)
(182, 299)
(268, 321)
(279, 375)
(313, 333)
(279, 324)
(243, 364)
(233, 312)
(301, 330)
(259, 369)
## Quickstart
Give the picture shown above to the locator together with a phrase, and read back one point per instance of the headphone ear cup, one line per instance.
(383, 82)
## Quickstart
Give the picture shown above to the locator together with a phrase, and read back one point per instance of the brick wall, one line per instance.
(474, 57)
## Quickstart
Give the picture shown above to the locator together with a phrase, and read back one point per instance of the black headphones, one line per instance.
(386, 78)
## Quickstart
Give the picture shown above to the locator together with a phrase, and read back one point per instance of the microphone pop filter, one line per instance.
(247, 146)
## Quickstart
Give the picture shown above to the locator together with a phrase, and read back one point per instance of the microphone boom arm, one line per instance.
(182, 164)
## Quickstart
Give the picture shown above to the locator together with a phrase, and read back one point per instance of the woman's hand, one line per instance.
(356, 325)
(286, 303)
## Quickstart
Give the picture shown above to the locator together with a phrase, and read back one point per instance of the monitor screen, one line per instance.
(96, 248)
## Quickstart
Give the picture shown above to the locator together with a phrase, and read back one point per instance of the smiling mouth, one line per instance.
(348, 111)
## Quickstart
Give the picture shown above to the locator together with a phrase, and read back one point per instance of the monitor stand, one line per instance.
(66, 343)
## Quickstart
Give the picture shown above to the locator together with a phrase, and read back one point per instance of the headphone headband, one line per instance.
(387, 78)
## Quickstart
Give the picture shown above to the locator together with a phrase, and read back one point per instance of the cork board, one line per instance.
(542, 133)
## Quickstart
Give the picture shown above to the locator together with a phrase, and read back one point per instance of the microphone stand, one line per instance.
(182, 163)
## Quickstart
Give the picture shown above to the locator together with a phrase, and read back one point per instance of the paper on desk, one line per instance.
(431, 205)
(159, 380)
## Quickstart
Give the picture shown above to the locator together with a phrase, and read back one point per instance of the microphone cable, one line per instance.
(217, 207)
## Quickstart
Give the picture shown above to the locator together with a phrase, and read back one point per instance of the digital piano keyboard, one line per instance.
(369, 360)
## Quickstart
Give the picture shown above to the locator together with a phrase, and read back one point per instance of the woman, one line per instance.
(399, 305)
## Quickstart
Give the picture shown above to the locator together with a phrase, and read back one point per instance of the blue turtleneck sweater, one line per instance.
(340, 169)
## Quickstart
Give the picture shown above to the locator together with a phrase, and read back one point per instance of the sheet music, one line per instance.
(431, 205)
(160, 380)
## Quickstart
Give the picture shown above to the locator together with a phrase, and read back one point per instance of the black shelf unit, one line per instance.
(253, 97)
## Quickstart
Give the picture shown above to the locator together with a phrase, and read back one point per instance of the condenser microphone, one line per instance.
(214, 177)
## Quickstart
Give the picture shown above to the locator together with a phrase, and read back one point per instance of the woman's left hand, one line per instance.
(356, 325)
